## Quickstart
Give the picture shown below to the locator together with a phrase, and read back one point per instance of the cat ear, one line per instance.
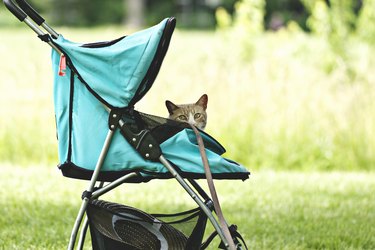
(203, 101)
(171, 106)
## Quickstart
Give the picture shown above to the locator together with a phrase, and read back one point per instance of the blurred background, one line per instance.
(290, 82)
(191, 14)
(291, 89)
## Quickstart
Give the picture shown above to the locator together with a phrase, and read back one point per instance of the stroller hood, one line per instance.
(127, 66)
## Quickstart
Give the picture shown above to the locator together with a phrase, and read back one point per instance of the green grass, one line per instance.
(273, 210)
(287, 105)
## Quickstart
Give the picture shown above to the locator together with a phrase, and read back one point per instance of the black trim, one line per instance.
(111, 207)
(120, 210)
(71, 95)
(102, 44)
(154, 68)
(71, 170)
(151, 73)
(191, 216)
(70, 65)
(191, 211)
(72, 68)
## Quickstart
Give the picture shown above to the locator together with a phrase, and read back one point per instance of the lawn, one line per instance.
(288, 110)
(273, 210)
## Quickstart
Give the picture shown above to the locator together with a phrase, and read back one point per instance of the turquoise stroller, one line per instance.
(103, 139)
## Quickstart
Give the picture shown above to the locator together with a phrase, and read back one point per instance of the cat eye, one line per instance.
(197, 115)
(182, 118)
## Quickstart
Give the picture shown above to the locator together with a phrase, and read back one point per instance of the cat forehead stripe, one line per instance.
(188, 112)
(191, 118)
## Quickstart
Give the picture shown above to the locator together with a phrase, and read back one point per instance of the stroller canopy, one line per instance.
(119, 73)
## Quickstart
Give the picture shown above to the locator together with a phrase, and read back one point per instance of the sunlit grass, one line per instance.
(273, 210)
(288, 105)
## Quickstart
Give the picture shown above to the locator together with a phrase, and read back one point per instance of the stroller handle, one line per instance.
(24, 12)
(16, 11)
(26, 7)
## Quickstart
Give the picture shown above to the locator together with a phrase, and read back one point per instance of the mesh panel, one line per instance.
(160, 127)
(136, 235)
(116, 226)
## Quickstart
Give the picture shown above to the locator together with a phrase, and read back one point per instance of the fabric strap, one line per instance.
(234, 232)
(211, 186)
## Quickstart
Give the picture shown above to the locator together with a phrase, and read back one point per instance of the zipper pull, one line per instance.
(62, 65)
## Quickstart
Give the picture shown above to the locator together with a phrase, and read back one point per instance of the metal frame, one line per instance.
(90, 188)
(19, 12)
(94, 194)
(34, 22)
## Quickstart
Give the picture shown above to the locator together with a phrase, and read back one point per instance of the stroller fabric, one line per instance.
(95, 88)
(119, 73)
(115, 70)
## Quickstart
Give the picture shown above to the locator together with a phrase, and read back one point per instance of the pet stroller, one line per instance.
(103, 139)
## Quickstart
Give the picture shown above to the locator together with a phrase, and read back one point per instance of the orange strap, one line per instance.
(62, 65)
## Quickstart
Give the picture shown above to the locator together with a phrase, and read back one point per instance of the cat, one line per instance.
(194, 114)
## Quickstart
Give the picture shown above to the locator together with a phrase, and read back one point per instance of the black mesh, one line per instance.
(160, 127)
(116, 226)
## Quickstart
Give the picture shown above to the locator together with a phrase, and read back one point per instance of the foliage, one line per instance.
(279, 110)
(365, 27)
(85, 12)
(247, 23)
(281, 12)
(339, 22)
(247, 18)
(190, 13)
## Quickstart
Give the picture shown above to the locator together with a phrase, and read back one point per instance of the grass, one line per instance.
(274, 210)
(288, 110)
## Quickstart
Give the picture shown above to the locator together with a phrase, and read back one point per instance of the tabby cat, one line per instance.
(194, 114)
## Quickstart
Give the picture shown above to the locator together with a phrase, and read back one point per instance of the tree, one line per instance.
(135, 13)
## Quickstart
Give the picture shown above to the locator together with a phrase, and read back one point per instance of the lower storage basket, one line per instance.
(116, 226)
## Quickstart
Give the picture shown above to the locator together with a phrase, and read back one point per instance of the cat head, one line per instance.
(194, 114)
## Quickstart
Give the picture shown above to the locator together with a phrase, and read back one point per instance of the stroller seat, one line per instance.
(115, 75)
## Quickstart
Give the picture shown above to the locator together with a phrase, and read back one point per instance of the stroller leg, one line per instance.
(82, 236)
(77, 224)
(85, 225)
(196, 198)
(90, 189)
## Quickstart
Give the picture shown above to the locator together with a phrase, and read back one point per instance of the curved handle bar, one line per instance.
(26, 7)
(16, 11)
